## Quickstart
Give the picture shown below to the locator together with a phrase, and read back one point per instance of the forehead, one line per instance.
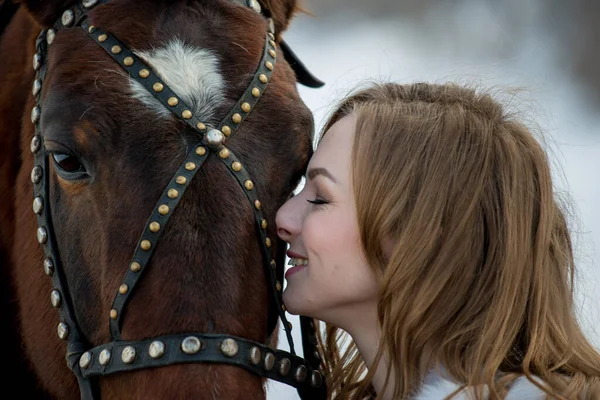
(335, 148)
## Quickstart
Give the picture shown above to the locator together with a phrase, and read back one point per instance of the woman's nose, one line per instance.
(288, 221)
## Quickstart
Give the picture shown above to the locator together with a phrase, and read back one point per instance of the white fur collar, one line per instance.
(438, 386)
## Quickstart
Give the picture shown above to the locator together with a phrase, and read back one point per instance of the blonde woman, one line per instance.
(429, 236)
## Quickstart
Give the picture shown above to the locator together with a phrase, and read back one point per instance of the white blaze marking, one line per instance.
(191, 72)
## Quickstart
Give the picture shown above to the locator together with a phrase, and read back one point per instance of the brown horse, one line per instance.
(112, 149)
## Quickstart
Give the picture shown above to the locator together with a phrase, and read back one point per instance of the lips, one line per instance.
(297, 261)
(293, 270)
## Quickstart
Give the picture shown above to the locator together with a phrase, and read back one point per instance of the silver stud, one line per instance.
(38, 205)
(37, 86)
(269, 361)
(157, 349)
(104, 357)
(128, 355)
(42, 235)
(89, 3)
(300, 374)
(55, 298)
(214, 138)
(255, 5)
(229, 347)
(284, 366)
(271, 25)
(36, 144)
(48, 266)
(255, 355)
(36, 174)
(35, 114)
(63, 331)
(67, 18)
(85, 360)
(50, 35)
(316, 379)
(37, 62)
(191, 345)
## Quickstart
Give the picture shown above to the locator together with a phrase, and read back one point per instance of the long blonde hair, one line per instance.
(482, 269)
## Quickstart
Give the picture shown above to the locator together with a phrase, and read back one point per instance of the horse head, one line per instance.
(139, 114)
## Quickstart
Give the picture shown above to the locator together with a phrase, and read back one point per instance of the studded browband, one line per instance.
(118, 355)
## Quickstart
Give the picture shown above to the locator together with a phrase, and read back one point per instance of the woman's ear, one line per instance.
(46, 12)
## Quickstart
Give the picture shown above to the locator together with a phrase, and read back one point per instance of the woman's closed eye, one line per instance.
(318, 202)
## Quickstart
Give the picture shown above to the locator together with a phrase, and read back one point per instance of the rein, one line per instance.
(118, 355)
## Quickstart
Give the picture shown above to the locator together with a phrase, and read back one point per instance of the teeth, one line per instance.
(298, 261)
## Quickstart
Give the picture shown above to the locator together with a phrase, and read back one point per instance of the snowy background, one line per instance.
(545, 48)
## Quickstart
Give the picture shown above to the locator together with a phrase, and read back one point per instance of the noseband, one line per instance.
(88, 362)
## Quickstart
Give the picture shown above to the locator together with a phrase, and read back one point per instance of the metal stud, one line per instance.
(271, 36)
(257, 204)
(256, 92)
(272, 53)
(155, 226)
(89, 3)
(128, 61)
(278, 286)
(316, 379)
(163, 209)
(113, 314)
(102, 37)
(200, 151)
(214, 137)
(67, 18)
(284, 366)
(236, 118)
(255, 355)
(144, 73)
(271, 25)
(42, 235)
(145, 245)
(92, 29)
(224, 153)
(300, 374)
(249, 185)
(268, 242)
(201, 126)
(273, 264)
(37, 62)
(37, 86)
(269, 361)
(173, 101)
(123, 289)
(173, 193)
(316, 354)
(55, 298)
(272, 43)
(269, 65)
(63, 331)
(236, 166)
(191, 345)
(283, 308)
(255, 5)
(48, 266)
(289, 326)
(36, 174)
(50, 36)
(226, 130)
(263, 78)
(35, 114)
(246, 107)
(156, 349)
(116, 49)
(158, 87)
(181, 180)
(135, 266)
(128, 355)
(104, 357)
(263, 224)
(38, 205)
(85, 360)
(229, 347)
(186, 114)
(36, 144)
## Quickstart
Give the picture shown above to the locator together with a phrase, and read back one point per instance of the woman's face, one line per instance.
(331, 279)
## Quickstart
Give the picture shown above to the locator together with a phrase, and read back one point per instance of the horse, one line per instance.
(117, 117)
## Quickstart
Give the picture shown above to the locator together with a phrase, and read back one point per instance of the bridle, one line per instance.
(118, 355)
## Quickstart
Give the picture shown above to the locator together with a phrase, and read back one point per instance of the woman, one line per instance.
(429, 232)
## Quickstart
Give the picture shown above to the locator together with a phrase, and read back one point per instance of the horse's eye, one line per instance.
(68, 163)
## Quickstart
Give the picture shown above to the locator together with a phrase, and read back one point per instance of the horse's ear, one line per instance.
(282, 12)
(46, 12)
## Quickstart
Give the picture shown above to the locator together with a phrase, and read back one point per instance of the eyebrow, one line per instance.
(314, 172)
